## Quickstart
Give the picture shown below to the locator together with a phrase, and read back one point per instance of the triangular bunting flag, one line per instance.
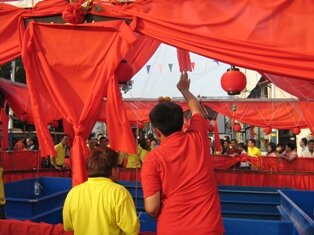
(170, 67)
(216, 61)
(148, 68)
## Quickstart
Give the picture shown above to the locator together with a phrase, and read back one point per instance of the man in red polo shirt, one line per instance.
(178, 180)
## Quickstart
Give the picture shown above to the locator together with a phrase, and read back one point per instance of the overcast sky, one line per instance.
(160, 81)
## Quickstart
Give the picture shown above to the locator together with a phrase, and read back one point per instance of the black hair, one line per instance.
(253, 141)
(291, 145)
(167, 117)
(304, 140)
(273, 146)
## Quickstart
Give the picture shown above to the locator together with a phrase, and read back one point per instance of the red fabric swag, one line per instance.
(17, 95)
(74, 75)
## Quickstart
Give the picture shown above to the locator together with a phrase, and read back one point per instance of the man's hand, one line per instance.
(184, 82)
(184, 87)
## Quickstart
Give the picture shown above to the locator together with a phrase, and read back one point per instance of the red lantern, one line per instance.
(267, 130)
(296, 130)
(233, 81)
(54, 124)
(210, 128)
(237, 127)
(23, 117)
(124, 72)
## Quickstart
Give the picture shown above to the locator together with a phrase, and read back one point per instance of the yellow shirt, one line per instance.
(135, 160)
(2, 197)
(59, 159)
(100, 206)
(254, 152)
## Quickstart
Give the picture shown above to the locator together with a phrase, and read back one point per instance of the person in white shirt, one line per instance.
(310, 151)
(303, 145)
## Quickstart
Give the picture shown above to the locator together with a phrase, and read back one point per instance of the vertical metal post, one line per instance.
(10, 123)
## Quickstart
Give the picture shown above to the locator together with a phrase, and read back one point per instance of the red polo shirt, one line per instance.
(181, 170)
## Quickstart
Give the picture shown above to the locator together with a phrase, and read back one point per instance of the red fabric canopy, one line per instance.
(278, 114)
(248, 34)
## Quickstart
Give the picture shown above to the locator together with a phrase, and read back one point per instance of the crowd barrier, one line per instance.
(268, 171)
(20, 160)
(273, 164)
(302, 181)
(29, 160)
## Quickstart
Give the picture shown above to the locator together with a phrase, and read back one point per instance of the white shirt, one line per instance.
(307, 153)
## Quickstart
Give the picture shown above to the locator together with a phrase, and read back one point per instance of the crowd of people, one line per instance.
(287, 151)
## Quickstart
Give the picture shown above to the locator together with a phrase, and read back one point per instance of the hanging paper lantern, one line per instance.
(23, 117)
(210, 128)
(296, 130)
(267, 130)
(54, 123)
(124, 72)
(237, 127)
(233, 81)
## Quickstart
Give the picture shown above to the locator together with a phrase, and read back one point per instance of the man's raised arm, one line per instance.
(184, 87)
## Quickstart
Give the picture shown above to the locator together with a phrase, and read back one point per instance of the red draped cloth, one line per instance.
(184, 60)
(248, 34)
(74, 75)
(276, 114)
(18, 227)
(5, 135)
(17, 96)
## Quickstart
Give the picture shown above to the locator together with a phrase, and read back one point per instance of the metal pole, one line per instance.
(10, 123)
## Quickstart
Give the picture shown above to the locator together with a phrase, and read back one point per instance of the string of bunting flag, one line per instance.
(204, 65)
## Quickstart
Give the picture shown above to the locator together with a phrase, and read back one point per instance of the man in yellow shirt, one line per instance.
(253, 151)
(58, 160)
(100, 206)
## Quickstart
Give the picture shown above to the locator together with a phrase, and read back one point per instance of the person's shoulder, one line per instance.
(152, 157)
(76, 188)
(57, 145)
(119, 189)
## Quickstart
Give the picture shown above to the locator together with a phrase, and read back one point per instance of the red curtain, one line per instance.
(5, 136)
(245, 34)
(249, 35)
(16, 227)
(307, 110)
(276, 114)
(74, 75)
(142, 51)
(303, 89)
(17, 95)
(10, 18)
